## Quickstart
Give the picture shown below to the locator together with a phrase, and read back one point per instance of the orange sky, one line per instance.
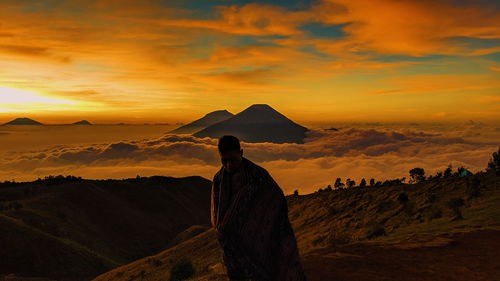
(326, 60)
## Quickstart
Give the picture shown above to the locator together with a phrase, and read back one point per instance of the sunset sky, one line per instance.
(167, 61)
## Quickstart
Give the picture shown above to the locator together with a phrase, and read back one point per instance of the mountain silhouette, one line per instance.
(82, 122)
(207, 120)
(257, 123)
(23, 121)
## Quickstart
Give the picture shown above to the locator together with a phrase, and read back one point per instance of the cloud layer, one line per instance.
(351, 152)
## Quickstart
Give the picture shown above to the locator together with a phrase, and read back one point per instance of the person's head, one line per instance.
(231, 154)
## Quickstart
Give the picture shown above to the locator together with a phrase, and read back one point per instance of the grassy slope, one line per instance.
(361, 217)
(77, 230)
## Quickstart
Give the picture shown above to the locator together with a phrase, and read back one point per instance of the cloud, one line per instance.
(117, 57)
(382, 153)
(250, 19)
(411, 27)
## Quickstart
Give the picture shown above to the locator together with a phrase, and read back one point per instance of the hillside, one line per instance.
(372, 233)
(73, 229)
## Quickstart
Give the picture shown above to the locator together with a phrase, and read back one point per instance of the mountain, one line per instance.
(257, 123)
(393, 231)
(23, 121)
(207, 120)
(82, 122)
(66, 228)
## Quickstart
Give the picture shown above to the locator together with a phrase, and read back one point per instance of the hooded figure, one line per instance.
(250, 214)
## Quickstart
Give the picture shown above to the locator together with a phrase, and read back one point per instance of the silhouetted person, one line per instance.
(250, 213)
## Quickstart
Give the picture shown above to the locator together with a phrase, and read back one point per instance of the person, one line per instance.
(250, 214)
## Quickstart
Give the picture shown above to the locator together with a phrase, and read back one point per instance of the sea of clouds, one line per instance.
(374, 151)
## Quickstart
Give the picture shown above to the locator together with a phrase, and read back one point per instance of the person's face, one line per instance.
(231, 160)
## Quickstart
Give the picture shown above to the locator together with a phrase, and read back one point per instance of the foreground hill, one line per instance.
(442, 229)
(207, 120)
(257, 123)
(73, 229)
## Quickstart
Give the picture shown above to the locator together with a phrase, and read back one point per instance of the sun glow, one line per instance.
(11, 96)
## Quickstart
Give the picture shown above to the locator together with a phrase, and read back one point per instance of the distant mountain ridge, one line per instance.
(82, 122)
(23, 121)
(257, 123)
(207, 120)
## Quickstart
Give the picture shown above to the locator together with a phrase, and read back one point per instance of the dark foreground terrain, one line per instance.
(440, 229)
(461, 256)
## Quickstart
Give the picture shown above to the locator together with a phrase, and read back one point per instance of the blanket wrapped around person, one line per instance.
(253, 229)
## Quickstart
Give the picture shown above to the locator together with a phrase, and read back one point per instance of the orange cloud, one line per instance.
(410, 27)
(431, 83)
(250, 19)
(148, 58)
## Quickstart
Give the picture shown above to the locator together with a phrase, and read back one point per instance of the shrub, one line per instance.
(494, 162)
(473, 187)
(156, 262)
(375, 231)
(318, 240)
(435, 214)
(403, 198)
(182, 269)
(15, 205)
(454, 204)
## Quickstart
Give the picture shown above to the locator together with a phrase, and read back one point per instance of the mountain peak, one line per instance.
(260, 106)
(207, 120)
(82, 122)
(23, 121)
(222, 112)
(257, 123)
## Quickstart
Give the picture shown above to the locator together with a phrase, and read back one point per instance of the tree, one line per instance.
(328, 188)
(338, 183)
(350, 183)
(448, 171)
(372, 182)
(362, 183)
(417, 175)
(494, 162)
(296, 193)
(459, 170)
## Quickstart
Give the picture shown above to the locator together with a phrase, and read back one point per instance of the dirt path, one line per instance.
(472, 256)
